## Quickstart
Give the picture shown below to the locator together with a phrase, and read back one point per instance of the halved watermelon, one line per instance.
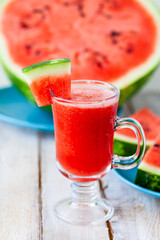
(148, 174)
(115, 41)
(49, 76)
(125, 142)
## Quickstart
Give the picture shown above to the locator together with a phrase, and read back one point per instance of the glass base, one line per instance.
(83, 178)
(85, 207)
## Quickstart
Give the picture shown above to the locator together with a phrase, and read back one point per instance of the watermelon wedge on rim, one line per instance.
(115, 41)
(49, 76)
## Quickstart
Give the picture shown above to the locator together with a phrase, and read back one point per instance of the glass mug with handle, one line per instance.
(84, 132)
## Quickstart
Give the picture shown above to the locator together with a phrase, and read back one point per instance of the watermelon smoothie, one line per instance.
(84, 120)
(84, 128)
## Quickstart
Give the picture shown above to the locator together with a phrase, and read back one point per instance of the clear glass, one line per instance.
(84, 132)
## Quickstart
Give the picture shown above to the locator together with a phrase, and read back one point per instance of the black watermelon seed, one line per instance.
(156, 145)
(86, 50)
(146, 129)
(80, 9)
(28, 46)
(99, 64)
(114, 41)
(97, 53)
(36, 10)
(115, 34)
(129, 50)
(82, 14)
(37, 52)
(46, 7)
(80, 6)
(24, 25)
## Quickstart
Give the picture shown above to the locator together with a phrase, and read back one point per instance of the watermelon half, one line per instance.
(48, 77)
(115, 41)
(148, 174)
(125, 142)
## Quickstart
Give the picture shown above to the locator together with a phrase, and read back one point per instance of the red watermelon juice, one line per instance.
(84, 128)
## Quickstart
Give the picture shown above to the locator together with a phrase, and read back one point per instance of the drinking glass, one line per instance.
(84, 133)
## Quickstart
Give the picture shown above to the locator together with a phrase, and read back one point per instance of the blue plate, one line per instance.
(128, 176)
(15, 109)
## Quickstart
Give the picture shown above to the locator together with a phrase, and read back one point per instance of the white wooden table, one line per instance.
(30, 185)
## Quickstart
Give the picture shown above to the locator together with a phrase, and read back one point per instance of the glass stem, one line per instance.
(84, 192)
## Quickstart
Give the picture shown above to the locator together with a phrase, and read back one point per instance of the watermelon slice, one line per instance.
(96, 35)
(148, 174)
(53, 75)
(125, 142)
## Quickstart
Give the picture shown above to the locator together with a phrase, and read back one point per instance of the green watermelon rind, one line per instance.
(24, 86)
(125, 149)
(125, 146)
(128, 92)
(149, 179)
(136, 78)
(59, 64)
(56, 67)
(148, 176)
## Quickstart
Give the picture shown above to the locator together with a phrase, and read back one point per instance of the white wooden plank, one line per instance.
(19, 190)
(55, 187)
(137, 215)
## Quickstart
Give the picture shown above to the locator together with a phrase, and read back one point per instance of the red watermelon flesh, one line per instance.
(59, 85)
(152, 157)
(150, 123)
(96, 35)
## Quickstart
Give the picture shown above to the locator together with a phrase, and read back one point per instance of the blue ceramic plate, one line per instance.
(128, 176)
(15, 109)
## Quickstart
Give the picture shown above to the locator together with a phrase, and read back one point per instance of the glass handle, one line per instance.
(130, 161)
